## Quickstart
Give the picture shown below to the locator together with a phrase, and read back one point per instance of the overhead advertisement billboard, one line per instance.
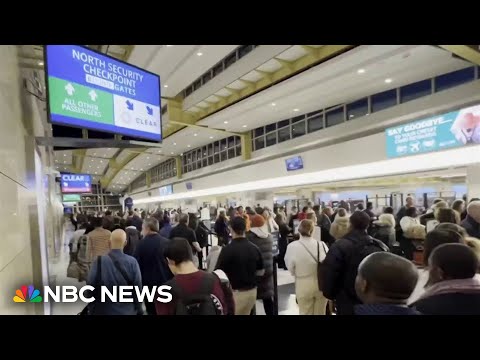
(166, 190)
(450, 130)
(294, 163)
(76, 183)
(90, 90)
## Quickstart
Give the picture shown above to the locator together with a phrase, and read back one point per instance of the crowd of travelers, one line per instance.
(344, 261)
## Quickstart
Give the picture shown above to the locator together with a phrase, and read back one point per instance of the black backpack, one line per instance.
(201, 303)
(202, 236)
(362, 247)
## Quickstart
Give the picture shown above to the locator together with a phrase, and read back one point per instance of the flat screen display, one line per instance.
(166, 190)
(294, 163)
(71, 198)
(90, 90)
(76, 183)
(189, 185)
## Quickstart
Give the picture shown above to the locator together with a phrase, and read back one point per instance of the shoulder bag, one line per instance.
(319, 263)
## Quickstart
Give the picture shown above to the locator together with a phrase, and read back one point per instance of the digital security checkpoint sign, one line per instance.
(90, 90)
(445, 131)
(76, 183)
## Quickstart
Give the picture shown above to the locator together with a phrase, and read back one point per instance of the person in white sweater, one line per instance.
(301, 259)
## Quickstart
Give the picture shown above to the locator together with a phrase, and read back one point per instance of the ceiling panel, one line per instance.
(102, 152)
(270, 66)
(293, 53)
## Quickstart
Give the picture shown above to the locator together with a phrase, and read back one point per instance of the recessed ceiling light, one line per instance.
(101, 161)
(171, 153)
(165, 86)
(40, 63)
(141, 169)
(351, 115)
(160, 150)
(94, 154)
(64, 154)
(91, 160)
(361, 71)
(244, 126)
(169, 45)
(188, 145)
(225, 122)
(65, 162)
(296, 110)
(174, 143)
(148, 157)
(56, 160)
(149, 164)
(367, 114)
(195, 134)
(211, 137)
(388, 81)
(199, 54)
(96, 173)
(273, 104)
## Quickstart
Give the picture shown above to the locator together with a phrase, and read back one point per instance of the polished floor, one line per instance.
(58, 269)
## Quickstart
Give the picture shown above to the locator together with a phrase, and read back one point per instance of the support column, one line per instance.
(473, 181)
(178, 166)
(148, 179)
(246, 142)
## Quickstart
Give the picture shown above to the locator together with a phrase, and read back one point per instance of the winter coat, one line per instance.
(339, 227)
(264, 242)
(472, 227)
(133, 237)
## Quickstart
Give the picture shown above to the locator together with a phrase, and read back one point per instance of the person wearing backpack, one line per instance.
(133, 237)
(115, 269)
(194, 292)
(343, 258)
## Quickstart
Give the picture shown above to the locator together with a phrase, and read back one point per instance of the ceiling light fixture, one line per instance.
(273, 104)
(169, 45)
(296, 110)
(199, 54)
(171, 153)
(174, 143)
(40, 63)
(165, 86)
(188, 145)
(361, 71)
(225, 122)
(211, 137)
(195, 134)
(64, 154)
(388, 81)
(244, 126)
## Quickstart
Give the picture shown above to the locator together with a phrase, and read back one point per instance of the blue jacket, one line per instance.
(150, 256)
(110, 277)
(384, 309)
(165, 230)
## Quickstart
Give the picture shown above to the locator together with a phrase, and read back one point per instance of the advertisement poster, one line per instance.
(90, 90)
(166, 190)
(453, 129)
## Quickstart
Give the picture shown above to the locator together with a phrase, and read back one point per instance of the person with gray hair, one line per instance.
(150, 256)
(183, 231)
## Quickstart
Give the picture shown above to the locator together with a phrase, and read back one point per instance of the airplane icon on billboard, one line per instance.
(415, 147)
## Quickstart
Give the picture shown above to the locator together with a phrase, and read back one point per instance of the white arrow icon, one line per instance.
(93, 95)
(70, 89)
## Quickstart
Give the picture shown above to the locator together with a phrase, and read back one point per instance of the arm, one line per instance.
(260, 264)
(334, 266)
(289, 259)
(221, 261)
(137, 281)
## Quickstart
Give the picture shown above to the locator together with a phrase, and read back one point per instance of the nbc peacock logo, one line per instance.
(27, 294)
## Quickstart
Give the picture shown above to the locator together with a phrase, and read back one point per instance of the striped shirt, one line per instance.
(98, 243)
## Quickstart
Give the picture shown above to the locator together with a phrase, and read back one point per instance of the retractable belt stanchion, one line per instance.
(275, 252)
(275, 286)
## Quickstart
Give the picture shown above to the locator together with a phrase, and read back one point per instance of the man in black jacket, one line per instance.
(183, 231)
(341, 264)
(454, 286)
(150, 256)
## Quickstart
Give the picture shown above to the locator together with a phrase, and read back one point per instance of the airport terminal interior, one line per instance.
(288, 146)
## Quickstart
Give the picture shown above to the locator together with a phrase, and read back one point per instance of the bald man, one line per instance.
(115, 269)
(384, 283)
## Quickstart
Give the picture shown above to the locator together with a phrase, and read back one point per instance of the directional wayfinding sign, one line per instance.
(90, 90)
(76, 183)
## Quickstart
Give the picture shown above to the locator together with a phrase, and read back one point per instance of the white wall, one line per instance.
(20, 257)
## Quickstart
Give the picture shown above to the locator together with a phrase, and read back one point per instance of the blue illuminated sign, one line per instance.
(295, 163)
(90, 90)
(450, 130)
(76, 183)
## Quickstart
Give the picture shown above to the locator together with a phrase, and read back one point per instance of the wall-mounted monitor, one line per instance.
(76, 183)
(71, 198)
(166, 190)
(90, 90)
(294, 163)
(189, 185)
